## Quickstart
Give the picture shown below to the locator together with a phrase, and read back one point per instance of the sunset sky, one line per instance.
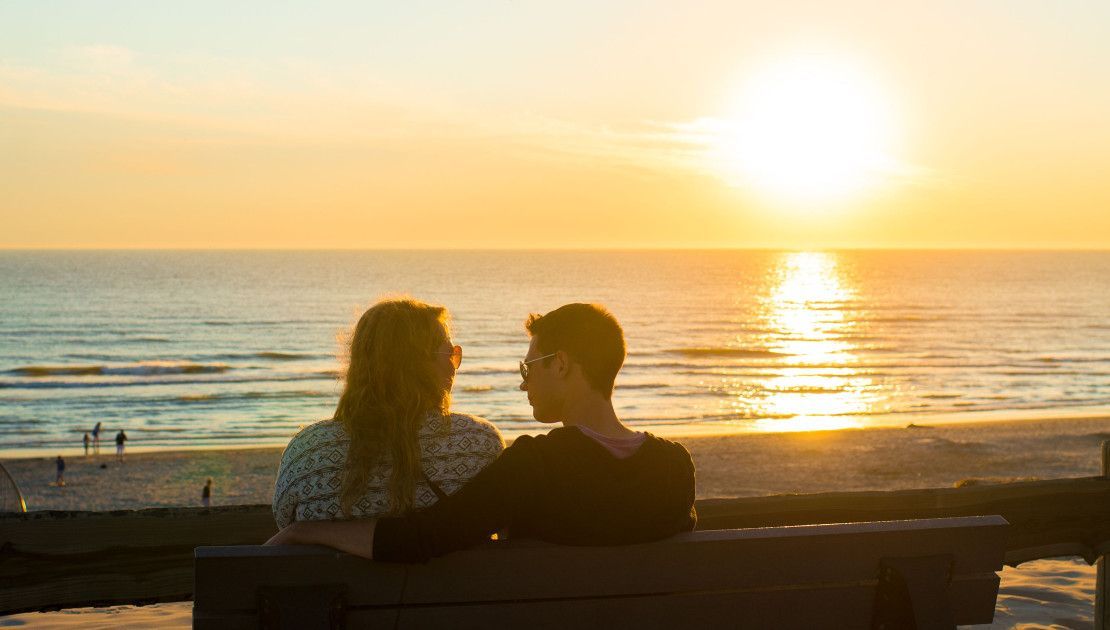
(514, 124)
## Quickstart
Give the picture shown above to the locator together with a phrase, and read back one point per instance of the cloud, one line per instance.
(283, 98)
(99, 57)
(211, 99)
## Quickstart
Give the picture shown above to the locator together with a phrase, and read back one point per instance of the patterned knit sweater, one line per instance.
(453, 449)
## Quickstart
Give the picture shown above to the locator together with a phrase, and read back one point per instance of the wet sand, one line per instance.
(1045, 593)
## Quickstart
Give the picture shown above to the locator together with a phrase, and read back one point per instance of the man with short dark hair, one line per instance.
(590, 334)
(592, 481)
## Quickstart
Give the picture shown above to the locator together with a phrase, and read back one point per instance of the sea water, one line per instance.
(233, 348)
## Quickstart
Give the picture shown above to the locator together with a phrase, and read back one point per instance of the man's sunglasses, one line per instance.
(455, 354)
(524, 364)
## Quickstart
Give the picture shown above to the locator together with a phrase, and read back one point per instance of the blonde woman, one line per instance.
(392, 445)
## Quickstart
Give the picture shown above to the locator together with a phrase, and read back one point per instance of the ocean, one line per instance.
(190, 349)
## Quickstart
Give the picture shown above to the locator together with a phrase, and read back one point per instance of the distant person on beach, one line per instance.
(96, 438)
(86, 441)
(592, 481)
(60, 464)
(206, 494)
(121, 437)
(392, 445)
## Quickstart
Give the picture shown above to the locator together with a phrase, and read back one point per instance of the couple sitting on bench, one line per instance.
(395, 477)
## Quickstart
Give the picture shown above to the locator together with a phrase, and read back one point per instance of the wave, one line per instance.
(728, 352)
(94, 340)
(1028, 372)
(22, 431)
(279, 395)
(271, 356)
(477, 389)
(92, 357)
(804, 389)
(283, 356)
(672, 365)
(46, 370)
(903, 319)
(870, 350)
(261, 322)
(200, 358)
(141, 369)
(1052, 360)
(316, 376)
(117, 336)
(492, 371)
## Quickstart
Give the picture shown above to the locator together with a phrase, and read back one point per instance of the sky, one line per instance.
(512, 124)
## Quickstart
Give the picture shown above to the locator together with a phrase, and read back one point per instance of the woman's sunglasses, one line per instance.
(456, 356)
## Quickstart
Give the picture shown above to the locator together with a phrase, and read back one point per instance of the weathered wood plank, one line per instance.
(370, 618)
(811, 573)
(525, 570)
(52, 560)
(834, 606)
(64, 533)
(227, 577)
(1061, 514)
(1056, 517)
(759, 558)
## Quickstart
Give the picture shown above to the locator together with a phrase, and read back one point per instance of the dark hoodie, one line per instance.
(563, 488)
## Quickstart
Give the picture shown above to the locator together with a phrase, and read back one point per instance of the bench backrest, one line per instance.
(937, 571)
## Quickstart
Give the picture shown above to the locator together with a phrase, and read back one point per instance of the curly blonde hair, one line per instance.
(391, 385)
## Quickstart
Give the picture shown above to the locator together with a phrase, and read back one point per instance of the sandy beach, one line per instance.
(1045, 593)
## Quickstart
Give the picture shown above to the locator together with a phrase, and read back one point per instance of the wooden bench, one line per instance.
(929, 573)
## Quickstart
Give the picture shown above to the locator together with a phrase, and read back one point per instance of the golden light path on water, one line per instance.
(816, 387)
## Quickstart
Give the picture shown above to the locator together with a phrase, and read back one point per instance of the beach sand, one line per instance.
(1044, 593)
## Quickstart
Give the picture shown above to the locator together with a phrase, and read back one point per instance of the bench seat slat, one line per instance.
(697, 561)
(355, 618)
(789, 576)
(227, 578)
(845, 607)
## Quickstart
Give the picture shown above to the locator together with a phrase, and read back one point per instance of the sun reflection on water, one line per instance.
(806, 321)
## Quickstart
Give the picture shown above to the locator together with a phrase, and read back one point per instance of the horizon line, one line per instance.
(638, 248)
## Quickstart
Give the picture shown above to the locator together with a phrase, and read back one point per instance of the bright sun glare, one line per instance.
(808, 131)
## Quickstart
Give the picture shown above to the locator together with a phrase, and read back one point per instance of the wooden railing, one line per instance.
(52, 560)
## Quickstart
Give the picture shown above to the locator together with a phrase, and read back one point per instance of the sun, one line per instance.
(808, 130)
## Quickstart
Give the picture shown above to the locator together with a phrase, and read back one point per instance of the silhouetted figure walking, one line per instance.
(60, 480)
(121, 437)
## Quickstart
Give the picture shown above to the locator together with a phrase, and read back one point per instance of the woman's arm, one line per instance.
(353, 537)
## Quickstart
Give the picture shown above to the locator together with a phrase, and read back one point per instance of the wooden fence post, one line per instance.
(1102, 586)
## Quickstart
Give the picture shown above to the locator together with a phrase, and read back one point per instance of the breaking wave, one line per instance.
(138, 369)
(729, 352)
(476, 389)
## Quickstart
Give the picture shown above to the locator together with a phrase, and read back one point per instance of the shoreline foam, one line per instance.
(674, 430)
